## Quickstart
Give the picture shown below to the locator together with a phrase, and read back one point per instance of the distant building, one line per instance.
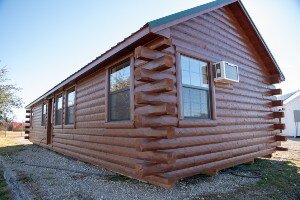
(291, 104)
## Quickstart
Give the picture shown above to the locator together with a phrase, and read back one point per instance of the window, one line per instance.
(70, 116)
(195, 88)
(44, 112)
(58, 110)
(119, 93)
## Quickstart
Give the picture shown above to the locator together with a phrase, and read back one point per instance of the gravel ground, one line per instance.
(48, 175)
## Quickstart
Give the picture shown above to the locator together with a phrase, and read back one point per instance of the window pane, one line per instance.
(71, 98)
(59, 103)
(194, 72)
(44, 111)
(70, 108)
(185, 64)
(195, 79)
(58, 111)
(194, 65)
(120, 78)
(186, 77)
(119, 97)
(58, 117)
(70, 115)
(120, 106)
(195, 88)
(195, 103)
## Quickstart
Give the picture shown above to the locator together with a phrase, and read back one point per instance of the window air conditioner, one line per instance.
(226, 72)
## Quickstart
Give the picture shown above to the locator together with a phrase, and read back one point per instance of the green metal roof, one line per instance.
(191, 11)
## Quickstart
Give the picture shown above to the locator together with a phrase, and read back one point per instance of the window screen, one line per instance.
(44, 112)
(119, 93)
(195, 88)
(58, 110)
(70, 115)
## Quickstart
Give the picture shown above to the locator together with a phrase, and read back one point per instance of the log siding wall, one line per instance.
(157, 145)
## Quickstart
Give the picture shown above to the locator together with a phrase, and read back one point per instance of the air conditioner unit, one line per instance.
(226, 72)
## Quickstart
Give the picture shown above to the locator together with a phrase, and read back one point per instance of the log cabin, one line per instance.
(190, 93)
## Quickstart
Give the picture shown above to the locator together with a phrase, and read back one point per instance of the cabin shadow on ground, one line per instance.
(9, 150)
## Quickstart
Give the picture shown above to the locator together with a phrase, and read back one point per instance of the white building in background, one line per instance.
(291, 107)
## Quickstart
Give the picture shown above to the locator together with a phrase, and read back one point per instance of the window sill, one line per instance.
(184, 123)
(69, 126)
(57, 126)
(119, 124)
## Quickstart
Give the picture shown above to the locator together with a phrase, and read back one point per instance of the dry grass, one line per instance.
(9, 144)
(12, 142)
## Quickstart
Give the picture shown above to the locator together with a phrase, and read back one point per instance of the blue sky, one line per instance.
(43, 42)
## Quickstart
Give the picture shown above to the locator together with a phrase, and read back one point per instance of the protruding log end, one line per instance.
(278, 114)
(279, 126)
(275, 92)
(277, 103)
(147, 54)
(162, 44)
(281, 149)
(280, 138)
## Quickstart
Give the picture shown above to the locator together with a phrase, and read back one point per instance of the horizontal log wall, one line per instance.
(245, 125)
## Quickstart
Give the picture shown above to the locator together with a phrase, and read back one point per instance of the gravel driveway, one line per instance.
(48, 175)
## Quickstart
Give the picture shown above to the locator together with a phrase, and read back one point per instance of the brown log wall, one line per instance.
(157, 145)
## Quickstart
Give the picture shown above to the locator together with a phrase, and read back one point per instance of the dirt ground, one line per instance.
(44, 174)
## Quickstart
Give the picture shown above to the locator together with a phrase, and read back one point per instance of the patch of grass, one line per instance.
(279, 180)
(4, 190)
(283, 175)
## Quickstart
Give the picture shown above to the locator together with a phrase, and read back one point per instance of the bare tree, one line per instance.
(8, 98)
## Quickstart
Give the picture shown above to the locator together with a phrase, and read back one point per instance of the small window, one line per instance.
(70, 115)
(195, 88)
(58, 110)
(119, 93)
(44, 113)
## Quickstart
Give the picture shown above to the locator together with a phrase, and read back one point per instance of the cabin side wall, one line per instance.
(92, 138)
(245, 123)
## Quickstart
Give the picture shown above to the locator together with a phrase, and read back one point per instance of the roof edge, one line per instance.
(282, 77)
(176, 18)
